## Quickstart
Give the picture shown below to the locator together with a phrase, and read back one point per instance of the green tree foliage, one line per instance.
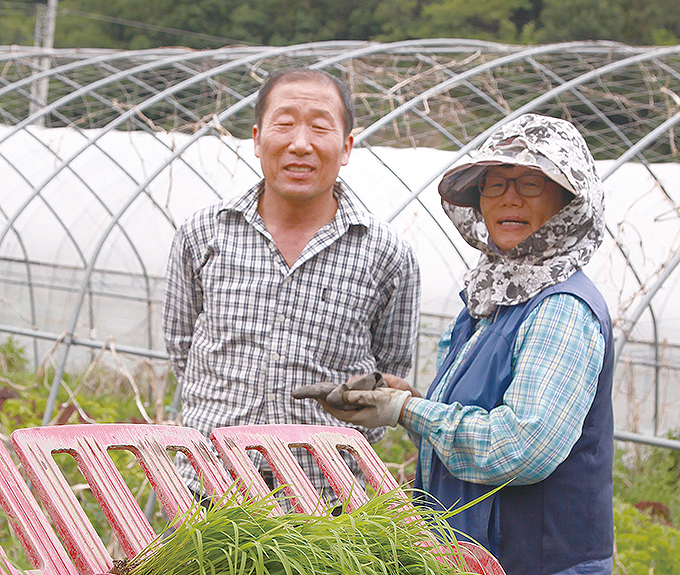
(484, 19)
(651, 23)
(17, 22)
(200, 24)
(565, 20)
(139, 24)
(271, 22)
(398, 19)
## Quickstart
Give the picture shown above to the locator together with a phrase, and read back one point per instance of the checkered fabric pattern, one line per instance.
(243, 329)
(557, 359)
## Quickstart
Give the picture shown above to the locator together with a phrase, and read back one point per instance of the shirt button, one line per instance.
(275, 356)
(271, 396)
(280, 318)
(272, 246)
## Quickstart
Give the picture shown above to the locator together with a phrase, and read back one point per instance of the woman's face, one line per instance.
(510, 217)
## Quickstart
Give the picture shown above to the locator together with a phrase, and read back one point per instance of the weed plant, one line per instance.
(649, 477)
(647, 536)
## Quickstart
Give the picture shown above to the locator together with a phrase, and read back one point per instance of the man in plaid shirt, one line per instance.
(290, 283)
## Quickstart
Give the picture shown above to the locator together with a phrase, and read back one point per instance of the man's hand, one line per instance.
(397, 382)
(372, 408)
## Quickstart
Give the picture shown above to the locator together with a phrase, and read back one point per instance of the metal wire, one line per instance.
(108, 161)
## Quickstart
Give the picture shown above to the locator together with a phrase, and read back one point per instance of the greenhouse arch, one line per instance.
(105, 152)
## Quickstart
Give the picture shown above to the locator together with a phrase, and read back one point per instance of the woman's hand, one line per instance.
(373, 407)
(362, 400)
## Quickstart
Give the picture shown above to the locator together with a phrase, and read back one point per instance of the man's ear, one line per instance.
(348, 145)
(256, 141)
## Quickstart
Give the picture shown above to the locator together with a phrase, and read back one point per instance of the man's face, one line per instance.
(301, 144)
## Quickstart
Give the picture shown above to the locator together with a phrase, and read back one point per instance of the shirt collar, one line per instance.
(348, 214)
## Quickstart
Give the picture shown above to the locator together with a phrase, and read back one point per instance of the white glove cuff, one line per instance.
(398, 401)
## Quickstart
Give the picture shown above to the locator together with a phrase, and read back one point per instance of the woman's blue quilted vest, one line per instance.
(566, 519)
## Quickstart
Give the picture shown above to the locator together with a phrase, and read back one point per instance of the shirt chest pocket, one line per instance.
(341, 330)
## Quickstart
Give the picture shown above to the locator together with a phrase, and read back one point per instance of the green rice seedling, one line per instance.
(385, 536)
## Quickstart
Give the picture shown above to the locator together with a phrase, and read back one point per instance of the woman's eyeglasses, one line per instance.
(529, 185)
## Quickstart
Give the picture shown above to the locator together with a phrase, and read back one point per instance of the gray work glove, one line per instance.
(373, 408)
(331, 394)
(364, 401)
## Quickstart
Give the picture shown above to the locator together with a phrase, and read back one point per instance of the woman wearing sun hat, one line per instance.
(523, 391)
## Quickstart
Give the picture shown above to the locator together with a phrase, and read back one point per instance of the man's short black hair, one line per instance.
(295, 74)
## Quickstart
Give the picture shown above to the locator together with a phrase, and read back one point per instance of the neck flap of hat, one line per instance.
(561, 246)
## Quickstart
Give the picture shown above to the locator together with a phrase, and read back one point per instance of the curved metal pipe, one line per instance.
(312, 50)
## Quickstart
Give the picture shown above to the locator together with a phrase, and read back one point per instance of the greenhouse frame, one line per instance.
(104, 153)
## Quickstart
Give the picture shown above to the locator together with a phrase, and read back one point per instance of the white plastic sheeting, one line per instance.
(95, 179)
(123, 233)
